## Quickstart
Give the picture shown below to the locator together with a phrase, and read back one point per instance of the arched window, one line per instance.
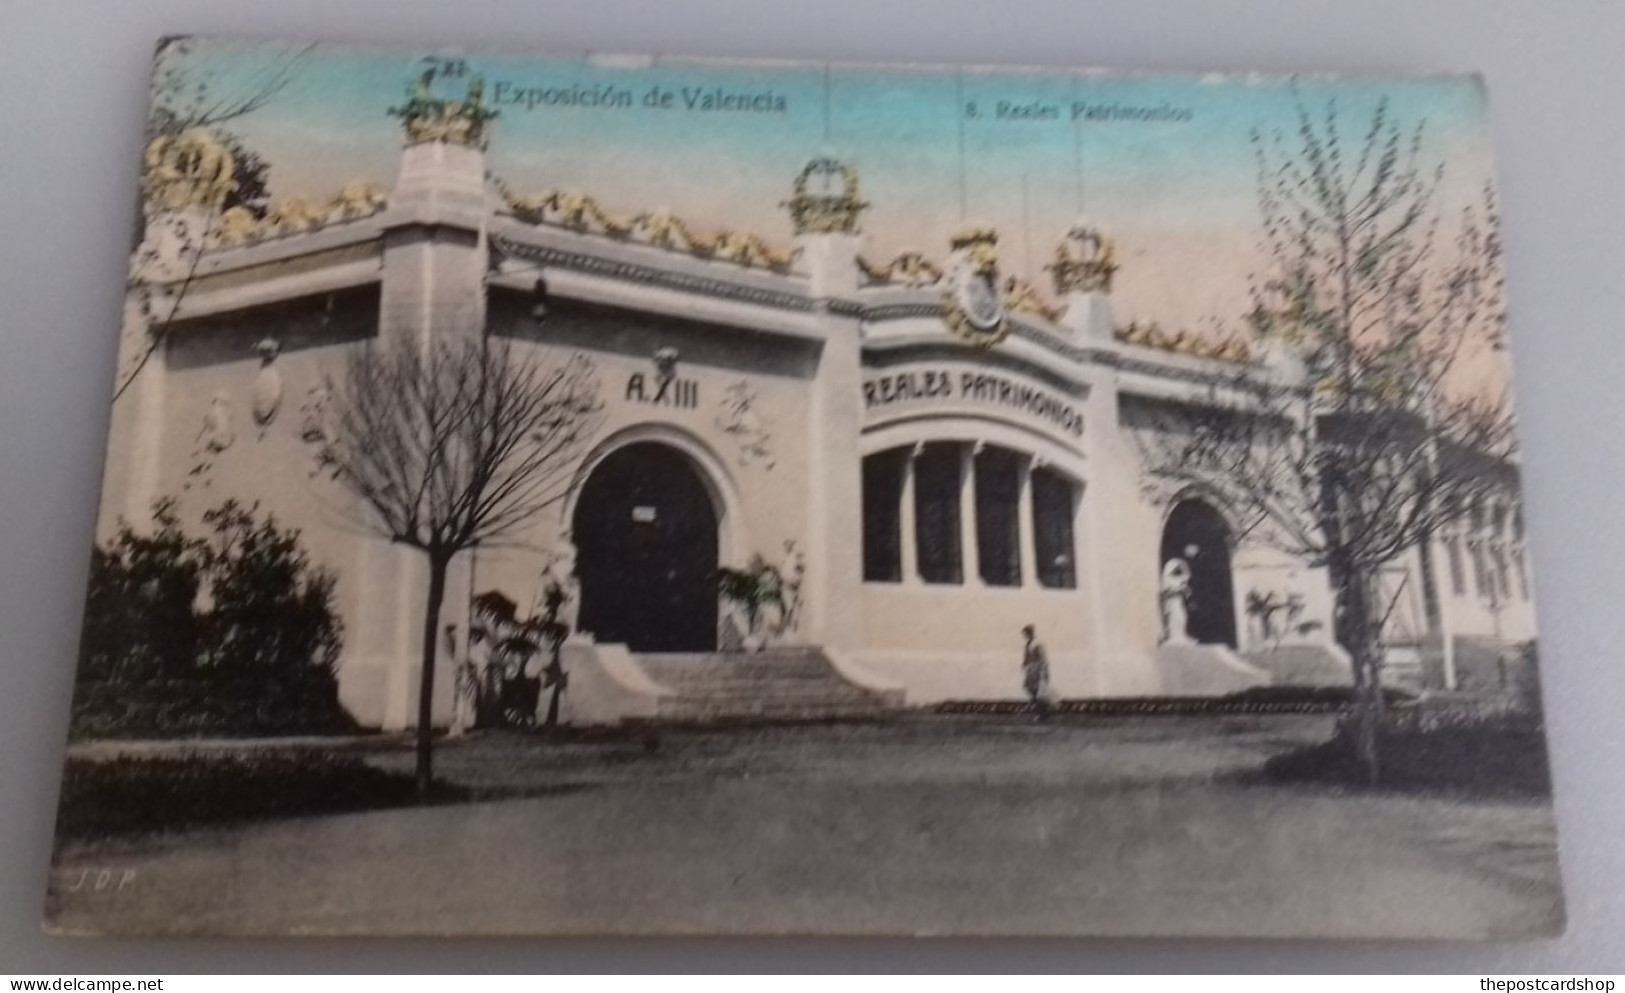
(998, 516)
(882, 516)
(1055, 505)
(937, 486)
(1481, 568)
(1498, 553)
(916, 503)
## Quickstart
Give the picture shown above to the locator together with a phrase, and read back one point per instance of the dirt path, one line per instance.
(987, 827)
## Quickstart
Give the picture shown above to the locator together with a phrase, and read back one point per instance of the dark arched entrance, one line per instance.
(645, 533)
(1196, 533)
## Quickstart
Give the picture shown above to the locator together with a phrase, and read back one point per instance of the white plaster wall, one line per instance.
(763, 500)
(380, 588)
(952, 642)
(1476, 613)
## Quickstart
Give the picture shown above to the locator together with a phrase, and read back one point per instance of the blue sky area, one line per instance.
(1178, 191)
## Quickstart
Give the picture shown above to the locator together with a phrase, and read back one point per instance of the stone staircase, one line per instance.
(1489, 665)
(1205, 670)
(1303, 664)
(775, 684)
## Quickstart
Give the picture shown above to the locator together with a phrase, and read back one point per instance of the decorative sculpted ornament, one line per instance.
(217, 434)
(1084, 261)
(313, 415)
(826, 198)
(427, 119)
(191, 169)
(293, 215)
(974, 304)
(909, 268)
(238, 226)
(740, 420)
(666, 364)
(358, 198)
(657, 227)
(315, 427)
(173, 243)
(267, 395)
(214, 437)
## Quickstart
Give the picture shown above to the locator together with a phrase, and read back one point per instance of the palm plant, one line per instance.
(755, 587)
(514, 643)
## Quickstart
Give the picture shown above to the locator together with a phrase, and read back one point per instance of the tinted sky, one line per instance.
(1178, 191)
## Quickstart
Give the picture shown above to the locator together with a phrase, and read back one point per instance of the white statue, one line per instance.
(562, 570)
(1175, 591)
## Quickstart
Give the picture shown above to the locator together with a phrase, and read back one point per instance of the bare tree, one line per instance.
(1361, 436)
(185, 98)
(450, 445)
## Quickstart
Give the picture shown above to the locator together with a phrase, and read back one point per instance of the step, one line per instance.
(687, 673)
(783, 688)
(703, 710)
(1301, 665)
(774, 684)
(726, 683)
(788, 700)
(691, 674)
(729, 661)
(819, 700)
(786, 691)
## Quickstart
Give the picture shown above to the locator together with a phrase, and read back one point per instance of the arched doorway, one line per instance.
(645, 530)
(1197, 533)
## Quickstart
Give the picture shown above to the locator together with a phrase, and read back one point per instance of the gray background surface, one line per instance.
(71, 103)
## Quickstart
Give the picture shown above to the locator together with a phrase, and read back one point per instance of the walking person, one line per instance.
(1035, 673)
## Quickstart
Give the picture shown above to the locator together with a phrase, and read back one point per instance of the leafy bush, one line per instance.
(140, 616)
(210, 705)
(126, 795)
(272, 609)
(1455, 748)
(231, 633)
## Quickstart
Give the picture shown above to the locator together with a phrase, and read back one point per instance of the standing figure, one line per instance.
(1176, 590)
(466, 686)
(1035, 673)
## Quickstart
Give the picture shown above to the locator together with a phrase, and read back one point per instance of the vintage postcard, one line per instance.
(624, 495)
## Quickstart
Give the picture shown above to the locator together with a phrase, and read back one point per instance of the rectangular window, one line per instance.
(882, 516)
(936, 513)
(1481, 568)
(1520, 569)
(1458, 574)
(1054, 507)
(998, 523)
